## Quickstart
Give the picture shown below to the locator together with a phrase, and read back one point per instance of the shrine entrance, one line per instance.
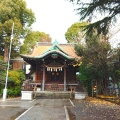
(53, 66)
(54, 76)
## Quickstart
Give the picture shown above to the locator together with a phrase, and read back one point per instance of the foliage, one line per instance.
(14, 77)
(14, 92)
(110, 9)
(3, 67)
(94, 51)
(97, 62)
(17, 12)
(31, 39)
(74, 32)
(116, 68)
(88, 73)
(85, 77)
(15, 80)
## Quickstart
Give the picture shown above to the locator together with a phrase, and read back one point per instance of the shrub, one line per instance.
(14, 92)
(15, 82)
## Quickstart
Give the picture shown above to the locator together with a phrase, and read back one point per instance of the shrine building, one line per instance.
(53, 66)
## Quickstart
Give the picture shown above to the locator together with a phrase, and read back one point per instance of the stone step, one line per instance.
(53, 95)
(54, 87)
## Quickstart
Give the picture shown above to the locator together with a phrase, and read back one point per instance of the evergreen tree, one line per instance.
(95, 62)
(91, 9)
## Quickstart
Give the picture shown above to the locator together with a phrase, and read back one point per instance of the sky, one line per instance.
(53, 17)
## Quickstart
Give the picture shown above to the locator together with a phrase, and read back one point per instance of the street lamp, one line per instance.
(5, 89)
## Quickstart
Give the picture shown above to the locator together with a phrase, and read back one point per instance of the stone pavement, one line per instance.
(55, 109)
(37, 109)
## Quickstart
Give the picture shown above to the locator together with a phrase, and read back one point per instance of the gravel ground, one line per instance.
(94, 109)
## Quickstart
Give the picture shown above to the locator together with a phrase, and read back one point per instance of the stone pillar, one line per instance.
(43, 82)
(65, 77)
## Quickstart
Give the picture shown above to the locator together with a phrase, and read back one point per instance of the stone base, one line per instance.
(27, 95)
(80, 95)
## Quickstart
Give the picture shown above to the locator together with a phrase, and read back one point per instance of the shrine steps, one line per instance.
(55, 87)
(53, 95)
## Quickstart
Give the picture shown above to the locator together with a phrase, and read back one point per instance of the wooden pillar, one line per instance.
(43, 82)
(65, 77)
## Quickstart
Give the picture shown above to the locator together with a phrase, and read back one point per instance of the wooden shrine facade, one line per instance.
(53, 66)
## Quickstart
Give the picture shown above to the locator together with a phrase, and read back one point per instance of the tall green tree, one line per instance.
(74, 32)
(89, 10)
(17, 12)
(95, 57)
(116, 67)
(31, 39)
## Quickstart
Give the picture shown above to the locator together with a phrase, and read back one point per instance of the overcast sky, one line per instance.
(53, 17)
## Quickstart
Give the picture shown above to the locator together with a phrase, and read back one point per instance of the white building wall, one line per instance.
(27, 69)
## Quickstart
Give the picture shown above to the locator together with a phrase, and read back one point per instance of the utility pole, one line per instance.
(5, 89)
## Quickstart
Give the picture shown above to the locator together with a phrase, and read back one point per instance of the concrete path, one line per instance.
(40, 109)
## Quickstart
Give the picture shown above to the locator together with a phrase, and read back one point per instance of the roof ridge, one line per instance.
(58, 46)
(49, 43)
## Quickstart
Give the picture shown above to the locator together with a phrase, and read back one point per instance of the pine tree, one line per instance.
(91, 9)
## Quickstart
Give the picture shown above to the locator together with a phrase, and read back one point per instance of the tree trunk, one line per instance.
(6, 53)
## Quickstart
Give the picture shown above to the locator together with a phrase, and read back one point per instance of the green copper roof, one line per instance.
(55, 48)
